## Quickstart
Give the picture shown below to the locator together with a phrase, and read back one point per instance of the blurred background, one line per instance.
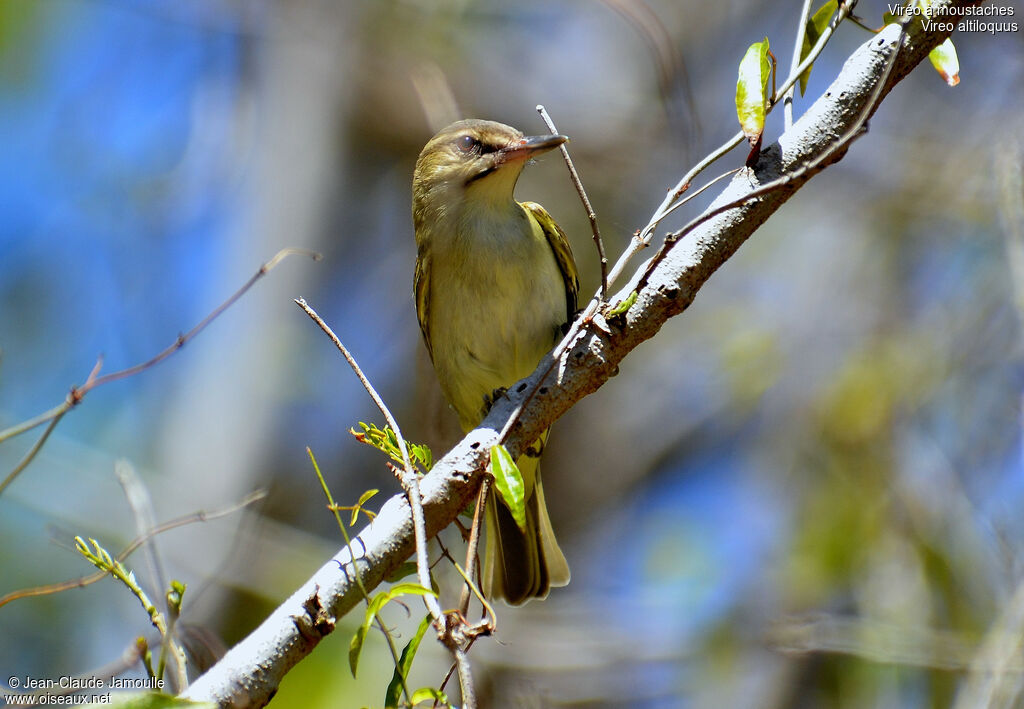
(805, 492)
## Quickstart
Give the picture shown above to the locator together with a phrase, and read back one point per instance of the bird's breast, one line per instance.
(497, 300)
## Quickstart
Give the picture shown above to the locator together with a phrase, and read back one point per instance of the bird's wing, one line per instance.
(421, 288)
(563, 255)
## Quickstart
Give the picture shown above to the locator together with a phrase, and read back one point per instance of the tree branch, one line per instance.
(251, 671)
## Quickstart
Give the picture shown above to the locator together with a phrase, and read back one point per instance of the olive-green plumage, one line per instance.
(495, 280)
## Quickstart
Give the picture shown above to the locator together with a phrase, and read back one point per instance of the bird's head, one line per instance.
(474, 159)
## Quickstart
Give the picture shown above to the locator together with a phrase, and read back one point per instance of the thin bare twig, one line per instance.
(591, 215)
(331, 505)
(642, 238)
(141, 505)
(77, 394)
(34, 450)
(83, 581)
(487, 625)
(713, 181)
(410, 482)
(474, 544)
(801, 32)
(855, 130)
(465, 678)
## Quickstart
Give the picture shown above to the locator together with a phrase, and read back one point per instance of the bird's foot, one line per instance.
(492, 397)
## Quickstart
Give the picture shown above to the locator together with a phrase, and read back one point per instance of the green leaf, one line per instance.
(509, 483)
(366, 496)
(751, 90)
(175, 595)
(386, 441)
(422, 455)
(401, 589)
(405, 664)
(623, 305)
(372, 609)
(816, 25)
(359, 505)
(425, 693)
(943, 57)
(945, 61)
(355, 647)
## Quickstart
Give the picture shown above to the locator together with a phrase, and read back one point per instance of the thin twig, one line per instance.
(33, 451)
(701, 189)
(410, 482)
(801, 32)
(488, 624)
(591, 215)
(182, 339)
(586, 317)
(474, 544)
(388, 637)
(29, 424)
(83, 581)
(75, 396)
(141, 505)
(642, 238)
(465, 678)
(855, 130)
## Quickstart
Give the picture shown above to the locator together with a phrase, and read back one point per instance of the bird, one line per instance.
(495, 282)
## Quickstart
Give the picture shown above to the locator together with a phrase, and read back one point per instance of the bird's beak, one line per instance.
(530, 146)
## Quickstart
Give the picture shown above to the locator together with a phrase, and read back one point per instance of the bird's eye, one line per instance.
(467, 143)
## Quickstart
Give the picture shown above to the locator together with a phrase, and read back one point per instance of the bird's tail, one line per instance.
(521, 565)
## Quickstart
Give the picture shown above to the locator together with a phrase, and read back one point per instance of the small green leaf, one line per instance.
(386, 441)
(425, 693)
(816, 25)
(355, 647)
(175, 595)
(405, 664)
(403, 589)
(423, 455)
(366, 496)
(623, 305)
(509, 483)
(372, 609)
(945, 61)
(943, 57)
(359, 505)
(751, 90)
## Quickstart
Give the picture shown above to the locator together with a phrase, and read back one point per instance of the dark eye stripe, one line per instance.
(469, 144)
